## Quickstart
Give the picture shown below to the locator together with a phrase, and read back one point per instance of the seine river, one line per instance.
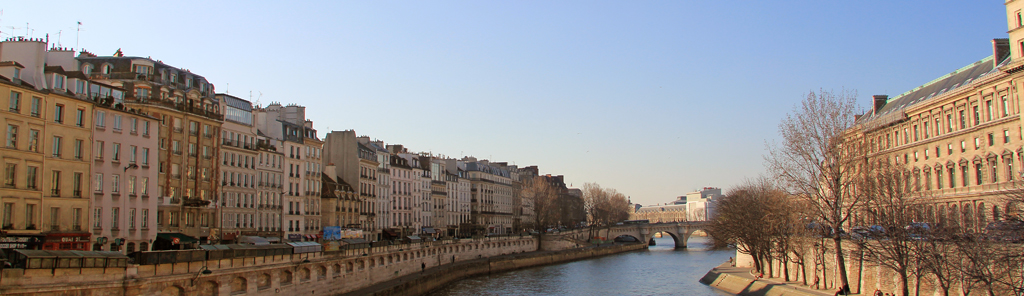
(659, 271)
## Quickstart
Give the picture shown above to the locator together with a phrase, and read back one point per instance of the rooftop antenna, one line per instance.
(257, 98)
(58, 37)
(78, 32)
(227, 89)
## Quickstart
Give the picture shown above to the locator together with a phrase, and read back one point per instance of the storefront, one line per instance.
(67, 241)
(29, 242)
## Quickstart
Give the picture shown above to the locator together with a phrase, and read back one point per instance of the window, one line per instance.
(193, 128)
(977, 115)
(1006, 106)
(145, 156)
(115, 212)
(101, 119)
(1006, 136)
(78, 149)
(131, 185)
(76, 219)
(36, 105)
(988, 109)
(80, 118)
(55, 183)
(98, 183)
(12, 136)
(145, 128)
(145, 218)
(115, 183)
(132, 152)
(55, 218)
(977, 143)
(97, 215)
(117, 122)
(56, 146)
(135, 125)
(30, 178)
(1009, 168)
(58, 113)
(145, 185)
(963, 120)
(963, 146)
(8, 215)
(33, 140)
(98, 150)
(991, 139)
(30, 216)
(116, 152)
(938, 178)
(76, 185)
(131, 219)
(15, 102)
(977, 174)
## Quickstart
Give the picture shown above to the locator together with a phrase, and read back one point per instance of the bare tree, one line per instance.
(891, 201)
(543, 196)
(818, 162)
(749, 217)
(603, 206)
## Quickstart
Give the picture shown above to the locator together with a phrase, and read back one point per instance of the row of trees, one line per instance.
(604, 206)
(821, 177)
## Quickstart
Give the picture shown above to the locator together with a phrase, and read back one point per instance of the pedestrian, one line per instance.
(423, 267)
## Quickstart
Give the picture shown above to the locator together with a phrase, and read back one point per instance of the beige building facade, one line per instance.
(959, 136)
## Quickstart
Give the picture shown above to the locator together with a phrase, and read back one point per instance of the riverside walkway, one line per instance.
(739, 281)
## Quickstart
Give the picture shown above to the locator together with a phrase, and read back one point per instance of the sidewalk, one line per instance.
(738, 280)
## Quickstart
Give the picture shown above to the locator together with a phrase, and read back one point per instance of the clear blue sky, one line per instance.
(653, 98)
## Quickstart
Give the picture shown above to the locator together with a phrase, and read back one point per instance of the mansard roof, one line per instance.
(894, 108)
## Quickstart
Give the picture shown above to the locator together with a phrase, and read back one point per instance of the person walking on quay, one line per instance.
(423, 267)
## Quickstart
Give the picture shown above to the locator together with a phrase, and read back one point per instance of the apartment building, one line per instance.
(491, 196)
(301, 148)
(190, 119)
(124, 175)
(239, 200)
(270, 187)
(47, 146)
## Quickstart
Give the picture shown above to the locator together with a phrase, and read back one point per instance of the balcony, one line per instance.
(55, 192)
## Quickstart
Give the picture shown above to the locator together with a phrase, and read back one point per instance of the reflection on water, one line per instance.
(659, 271)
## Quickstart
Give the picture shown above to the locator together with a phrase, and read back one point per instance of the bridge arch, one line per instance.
(679, 231)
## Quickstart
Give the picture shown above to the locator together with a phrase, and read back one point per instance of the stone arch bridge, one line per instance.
(679, 231)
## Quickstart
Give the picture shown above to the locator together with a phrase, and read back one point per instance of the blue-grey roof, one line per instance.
(893, 110)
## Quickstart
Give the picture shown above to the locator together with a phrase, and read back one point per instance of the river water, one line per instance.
(660, 270)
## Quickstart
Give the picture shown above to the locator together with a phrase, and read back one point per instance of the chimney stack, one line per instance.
(1000, 50)
(879, 102)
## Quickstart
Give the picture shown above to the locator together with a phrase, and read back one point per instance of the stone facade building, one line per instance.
(239, 199)
(301, 149)
(190, 119)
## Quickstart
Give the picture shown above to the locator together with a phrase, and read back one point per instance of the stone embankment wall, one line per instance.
(819, 272)
(431, 280)
(324, 274)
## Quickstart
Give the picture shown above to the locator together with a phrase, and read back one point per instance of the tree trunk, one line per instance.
(904, 285)
(785, 266)
(841, 262)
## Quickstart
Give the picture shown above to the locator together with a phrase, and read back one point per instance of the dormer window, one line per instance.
(141, 69)
(17, 73)
(106, 69)
(87, 69)
(188, 82)
(58, 81)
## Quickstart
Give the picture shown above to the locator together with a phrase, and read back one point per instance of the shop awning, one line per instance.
(176, 238)
(253, 240)
(429, 230)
